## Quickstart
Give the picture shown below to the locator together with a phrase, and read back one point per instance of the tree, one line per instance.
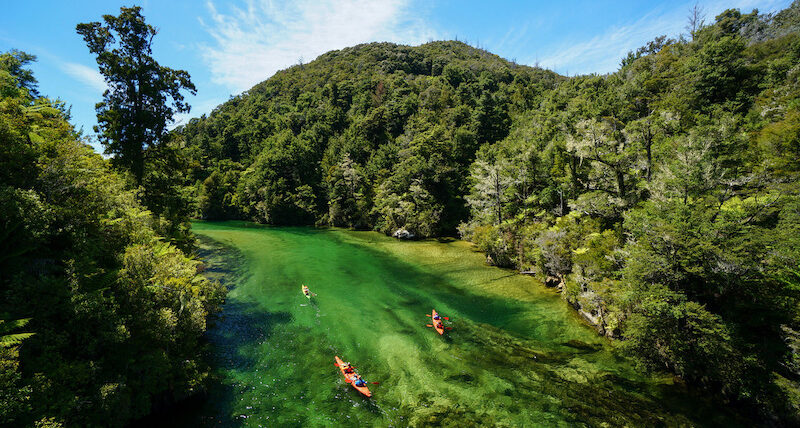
(696, 20)
(13, 63)
(135, 110)
(346, 205)
(118, 315)
(613, 170)
(490, 182)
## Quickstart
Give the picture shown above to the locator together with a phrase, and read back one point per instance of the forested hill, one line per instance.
(377, 135)
(662, 199)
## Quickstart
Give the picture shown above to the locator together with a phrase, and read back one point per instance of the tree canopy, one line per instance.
(136, 107)
(99, 317)
(661, 199)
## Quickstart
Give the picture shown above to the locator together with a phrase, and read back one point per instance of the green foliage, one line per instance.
(217, 196)
(667, 331)
(15, 74)
(14, 392)
(661, 200)
(275, 187)
(348, 195)
(9, 340)
(93, 343)
(134, 113)
(375, 136)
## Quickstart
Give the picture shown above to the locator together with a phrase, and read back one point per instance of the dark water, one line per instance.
(517, 354)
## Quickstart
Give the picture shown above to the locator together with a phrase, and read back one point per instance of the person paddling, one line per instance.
(358, 381)
(437, 321)
(353, 378)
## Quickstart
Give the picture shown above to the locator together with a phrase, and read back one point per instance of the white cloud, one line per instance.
(254, 42)
(602, 53)
(86, 75)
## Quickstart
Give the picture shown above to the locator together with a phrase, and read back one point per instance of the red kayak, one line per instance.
(350, 376)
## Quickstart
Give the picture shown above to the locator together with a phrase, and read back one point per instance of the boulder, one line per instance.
(555, 281)
(402, 233)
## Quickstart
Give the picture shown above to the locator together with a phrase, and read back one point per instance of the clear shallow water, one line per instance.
(517, 354)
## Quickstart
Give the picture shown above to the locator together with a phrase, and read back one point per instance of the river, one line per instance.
(517, 354)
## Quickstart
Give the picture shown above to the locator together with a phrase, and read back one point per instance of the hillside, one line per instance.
(377, 135)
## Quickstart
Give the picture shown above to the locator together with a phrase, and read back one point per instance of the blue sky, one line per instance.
(228, 46)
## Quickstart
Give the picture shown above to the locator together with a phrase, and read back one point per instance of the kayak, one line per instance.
(438, 326)
(306, 291)
(350, 377)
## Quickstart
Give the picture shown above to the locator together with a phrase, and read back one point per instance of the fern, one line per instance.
(9, 340)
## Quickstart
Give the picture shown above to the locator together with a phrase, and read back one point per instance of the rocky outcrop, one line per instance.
(555, 281)
(403, 233)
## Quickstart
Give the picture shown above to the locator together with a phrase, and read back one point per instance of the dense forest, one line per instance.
(101, 314)
(661, 199)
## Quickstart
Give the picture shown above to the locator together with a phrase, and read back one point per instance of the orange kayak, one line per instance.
(350, 377)
(437, 324)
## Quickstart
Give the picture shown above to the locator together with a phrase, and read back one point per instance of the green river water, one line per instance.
(518, 355)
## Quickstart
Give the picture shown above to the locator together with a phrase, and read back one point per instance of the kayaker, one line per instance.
(359, 381)
(348, 368)
(437, 317)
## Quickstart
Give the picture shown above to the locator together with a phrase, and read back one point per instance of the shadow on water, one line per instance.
(243, 326)
(240, 325)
